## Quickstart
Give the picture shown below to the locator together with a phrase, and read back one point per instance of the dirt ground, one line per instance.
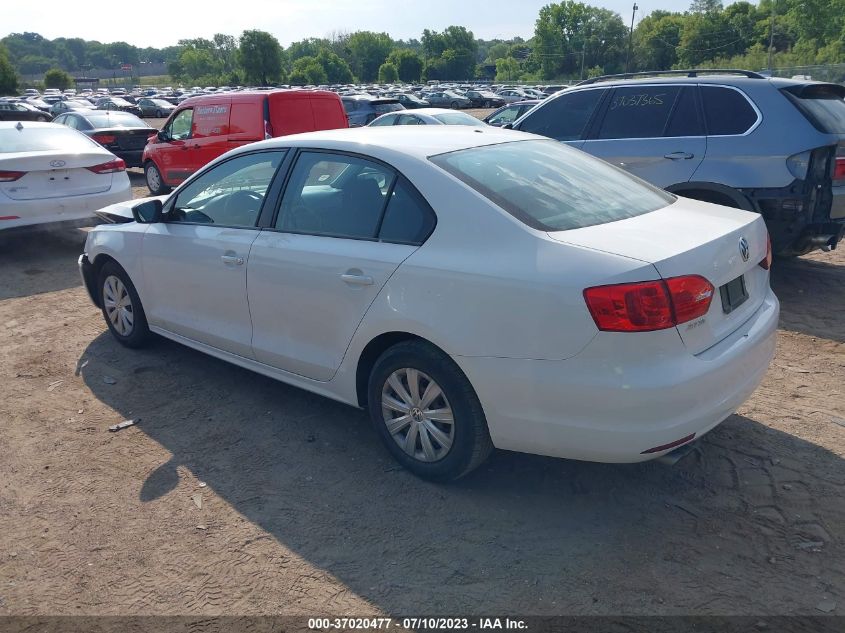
(235, 494)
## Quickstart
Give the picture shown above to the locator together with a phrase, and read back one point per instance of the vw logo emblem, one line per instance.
(57, 163)
(744, 249)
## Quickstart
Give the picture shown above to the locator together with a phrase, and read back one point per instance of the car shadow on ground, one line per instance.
(522, 532)
(40, 260)
(812, 295)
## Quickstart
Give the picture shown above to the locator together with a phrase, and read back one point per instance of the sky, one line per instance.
(289, 20)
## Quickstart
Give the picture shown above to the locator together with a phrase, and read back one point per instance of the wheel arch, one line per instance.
(370, 354)
(714, 192)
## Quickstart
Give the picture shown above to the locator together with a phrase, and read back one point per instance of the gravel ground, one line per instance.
(235, 494)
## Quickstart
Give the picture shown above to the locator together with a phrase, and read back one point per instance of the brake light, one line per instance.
(11, 176)
(105, 139)
(839, 169)
(110, 167)
(766, 262)
(649, 305)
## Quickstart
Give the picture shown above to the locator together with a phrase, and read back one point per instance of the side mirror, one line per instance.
(162, 135)
(148, 212)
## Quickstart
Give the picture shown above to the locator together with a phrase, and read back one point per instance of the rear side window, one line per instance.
(822, 104)
(552, 187)
(685, 120)
(408, 219)
(726, 111)
(563, 118)
(638, 111)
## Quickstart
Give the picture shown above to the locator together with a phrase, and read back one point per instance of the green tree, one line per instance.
(336, 69)
(308, 70)
(455, 48)
(261, 56)
(57, 78)
(507, 69)
(408, 64)
(368, 51)
(566, 31)
(387, 73)
(705, 6)
(309, 47)
(8, 78)
(198, 62)
(656, 41)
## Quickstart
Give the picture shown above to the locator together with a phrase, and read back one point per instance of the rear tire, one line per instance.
(438, 429)
(122, 307)
(158, 114)
(155, 183)
(454, 105)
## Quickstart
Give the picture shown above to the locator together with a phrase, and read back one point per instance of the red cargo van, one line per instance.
(202, 128)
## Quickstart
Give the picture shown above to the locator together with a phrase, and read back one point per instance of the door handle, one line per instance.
(357, 279)
(232, 259)
(679, 156)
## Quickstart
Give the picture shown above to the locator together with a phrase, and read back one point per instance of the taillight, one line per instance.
(839, 169)
(109, 168)
(10, 176)
(766, 262)
(649, 305)
(105, 139)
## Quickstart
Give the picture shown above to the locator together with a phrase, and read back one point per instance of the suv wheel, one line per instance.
(427, 413)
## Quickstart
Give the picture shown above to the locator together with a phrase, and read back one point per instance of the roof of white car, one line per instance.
(418, 141)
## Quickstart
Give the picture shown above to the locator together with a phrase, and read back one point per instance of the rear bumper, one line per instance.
(47, 210)
(619, 398)
(132, 157)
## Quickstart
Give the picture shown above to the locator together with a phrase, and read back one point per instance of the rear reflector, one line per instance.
(10, 176)
(109, 168)
(105, 139)
(666, 447)
(649, 305)
(839, 169)
(766, 262)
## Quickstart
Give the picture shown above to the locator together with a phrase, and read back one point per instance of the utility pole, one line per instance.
(772, 37)
(583, 53)
(631, 39)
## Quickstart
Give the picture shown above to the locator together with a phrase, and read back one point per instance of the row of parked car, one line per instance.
(773, 146)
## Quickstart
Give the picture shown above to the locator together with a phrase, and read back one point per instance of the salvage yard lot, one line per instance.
(235, 494)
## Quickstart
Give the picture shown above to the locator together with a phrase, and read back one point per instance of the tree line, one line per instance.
(571, 40)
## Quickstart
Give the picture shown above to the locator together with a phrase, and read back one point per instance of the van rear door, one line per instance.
(290, 112)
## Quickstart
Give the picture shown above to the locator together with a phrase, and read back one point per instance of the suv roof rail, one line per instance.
(693, 72)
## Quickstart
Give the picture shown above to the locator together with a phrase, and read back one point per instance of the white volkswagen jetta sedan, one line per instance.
(477, 289)
(52, 173)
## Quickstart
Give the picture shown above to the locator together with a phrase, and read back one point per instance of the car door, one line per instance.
(172, 152)
(195, 261)
(344, 225)
(653, 131)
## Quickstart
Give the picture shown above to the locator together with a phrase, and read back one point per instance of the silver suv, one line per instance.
(737, 138)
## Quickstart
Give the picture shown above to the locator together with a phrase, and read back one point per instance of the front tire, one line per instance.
(155, 183)
(427, 413)
(159, 114)
(122, 307)
(454, 105)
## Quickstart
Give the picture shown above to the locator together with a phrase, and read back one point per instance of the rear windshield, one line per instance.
(551, 187)
(31, 139)
(381, 108)
(115, 119)
(822, 104)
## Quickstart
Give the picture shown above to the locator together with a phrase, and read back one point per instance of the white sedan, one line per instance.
(478, 289)
(427, 116)
(51, 173)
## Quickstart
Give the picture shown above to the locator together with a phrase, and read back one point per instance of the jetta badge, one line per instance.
(744, 249)
(57, 163)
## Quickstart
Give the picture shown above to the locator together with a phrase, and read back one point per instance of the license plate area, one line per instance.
(734, 294)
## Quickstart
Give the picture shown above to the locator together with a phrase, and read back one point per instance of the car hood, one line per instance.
(121, 212)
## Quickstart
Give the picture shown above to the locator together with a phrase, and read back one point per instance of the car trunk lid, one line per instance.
(689, 237)
(46, 175)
